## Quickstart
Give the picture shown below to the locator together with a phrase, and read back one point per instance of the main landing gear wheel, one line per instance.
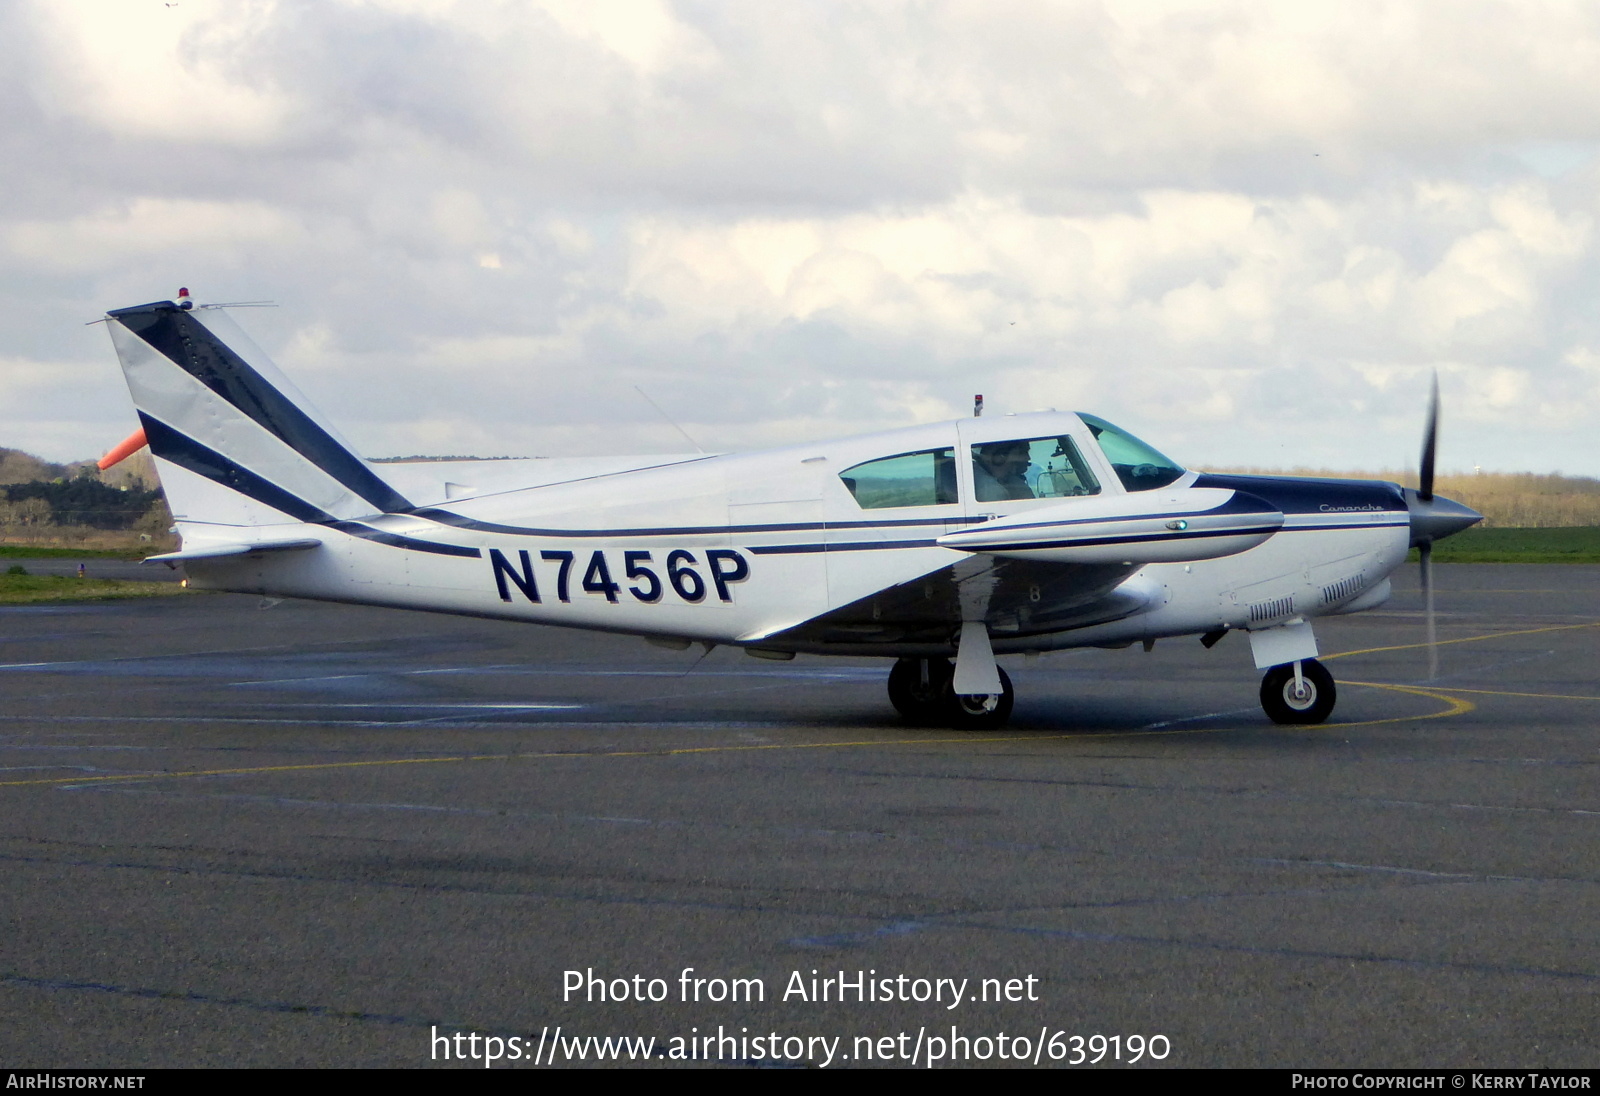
(917, 689)
(920, 690)
(1309, 702)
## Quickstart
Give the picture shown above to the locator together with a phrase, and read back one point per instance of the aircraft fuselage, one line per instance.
(745, 549)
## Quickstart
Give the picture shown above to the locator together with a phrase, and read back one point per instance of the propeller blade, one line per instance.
(1425, 550)
(1430, 444)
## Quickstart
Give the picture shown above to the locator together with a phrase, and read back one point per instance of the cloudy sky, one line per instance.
(1248, 232)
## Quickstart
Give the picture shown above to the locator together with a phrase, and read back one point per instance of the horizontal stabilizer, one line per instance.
(217, 551)
(1172, 526)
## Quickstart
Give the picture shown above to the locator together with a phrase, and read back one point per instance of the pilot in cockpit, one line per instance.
(999, 471)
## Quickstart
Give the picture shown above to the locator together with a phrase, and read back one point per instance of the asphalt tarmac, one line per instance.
(248, 833)
(129, 569)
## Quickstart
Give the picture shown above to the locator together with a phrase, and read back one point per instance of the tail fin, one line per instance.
(234, 443)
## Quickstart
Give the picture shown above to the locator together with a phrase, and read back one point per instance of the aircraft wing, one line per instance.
(1019, 598)
(1045, 570)
(1175, 526)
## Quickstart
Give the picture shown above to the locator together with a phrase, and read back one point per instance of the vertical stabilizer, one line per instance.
(234, 442)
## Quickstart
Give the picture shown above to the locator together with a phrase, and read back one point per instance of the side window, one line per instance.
(910, 479)
(1033, 468)
(1062, 471)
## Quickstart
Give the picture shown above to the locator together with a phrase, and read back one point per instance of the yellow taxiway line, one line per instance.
(1465, 639)
(554, 754)
(1455, 705)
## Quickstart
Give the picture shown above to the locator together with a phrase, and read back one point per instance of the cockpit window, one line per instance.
(1139, 467)
(1032, 468)
(910, 479)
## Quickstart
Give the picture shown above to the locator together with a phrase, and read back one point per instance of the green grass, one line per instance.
(1579, 544)
(26, 589)
(26, 551)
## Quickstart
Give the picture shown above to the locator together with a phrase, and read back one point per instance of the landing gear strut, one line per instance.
(920, 690)
(1304, 698)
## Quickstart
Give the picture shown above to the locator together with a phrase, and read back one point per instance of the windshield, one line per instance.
(1139, 467)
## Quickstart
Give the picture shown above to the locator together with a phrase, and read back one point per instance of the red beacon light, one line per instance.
(184, 302)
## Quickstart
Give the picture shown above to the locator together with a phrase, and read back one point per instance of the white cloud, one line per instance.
(158, 70)
(144, 226)
(1237, 227)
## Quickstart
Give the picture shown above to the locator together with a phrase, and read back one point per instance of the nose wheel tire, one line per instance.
(1311, 701)
(920, 690)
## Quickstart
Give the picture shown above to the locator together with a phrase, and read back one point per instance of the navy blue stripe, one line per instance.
(1240, 505)
(1292, 495)
(854, 546)
(868, 546)
(446, 517)
(797, 527)
(185, 452)
(193, 348)
(1191, 516)
(1351, 525)
(1096, 542)
(395, 540)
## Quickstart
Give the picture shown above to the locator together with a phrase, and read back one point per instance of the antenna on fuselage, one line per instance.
(669, 419)
(977, 406)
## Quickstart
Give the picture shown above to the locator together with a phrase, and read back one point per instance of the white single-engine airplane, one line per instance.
(960, 540)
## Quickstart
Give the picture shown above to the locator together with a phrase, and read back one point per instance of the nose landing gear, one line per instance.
(1306, 697)
(920, 690)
